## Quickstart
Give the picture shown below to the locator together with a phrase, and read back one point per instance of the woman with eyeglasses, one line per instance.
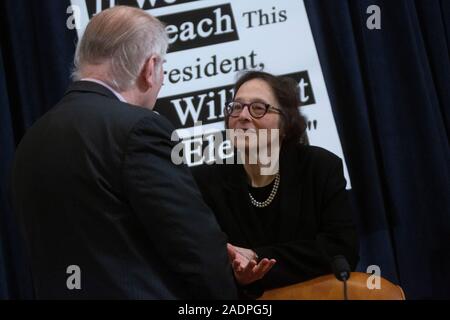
(284, 226)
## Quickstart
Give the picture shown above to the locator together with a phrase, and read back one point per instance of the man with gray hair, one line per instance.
(104, 211)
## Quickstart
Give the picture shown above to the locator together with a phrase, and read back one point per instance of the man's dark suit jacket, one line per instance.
(314, 222)
(94, 186)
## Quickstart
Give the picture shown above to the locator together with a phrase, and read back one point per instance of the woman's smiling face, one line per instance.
(255, 90)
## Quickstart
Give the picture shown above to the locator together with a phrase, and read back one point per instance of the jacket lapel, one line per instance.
(251, 231)
(291, 192)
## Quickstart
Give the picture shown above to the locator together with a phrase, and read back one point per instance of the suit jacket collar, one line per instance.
(91, 87)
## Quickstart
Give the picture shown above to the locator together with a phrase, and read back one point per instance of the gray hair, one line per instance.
(122, 38)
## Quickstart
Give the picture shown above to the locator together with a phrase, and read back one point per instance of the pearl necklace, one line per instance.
(272, 195)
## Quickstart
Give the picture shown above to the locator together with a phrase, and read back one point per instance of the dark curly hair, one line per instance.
(286, 90)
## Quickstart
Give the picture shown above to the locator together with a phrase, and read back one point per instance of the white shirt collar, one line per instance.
(118, 95)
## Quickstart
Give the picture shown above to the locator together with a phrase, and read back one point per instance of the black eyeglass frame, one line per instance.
(248, 105)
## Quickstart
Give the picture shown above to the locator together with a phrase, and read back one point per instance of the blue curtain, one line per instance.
(36, 54)
(7, 149)
(390, 94)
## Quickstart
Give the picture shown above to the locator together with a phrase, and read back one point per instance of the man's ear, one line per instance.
(147, 76)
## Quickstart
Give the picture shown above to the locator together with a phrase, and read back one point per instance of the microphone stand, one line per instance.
(341, 270)
(344, 277)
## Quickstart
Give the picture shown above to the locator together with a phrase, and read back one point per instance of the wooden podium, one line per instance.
(329, 288)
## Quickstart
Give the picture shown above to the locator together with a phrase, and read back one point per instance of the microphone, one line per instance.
(341, 270)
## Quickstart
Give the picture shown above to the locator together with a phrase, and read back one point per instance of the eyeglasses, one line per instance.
(257, 109)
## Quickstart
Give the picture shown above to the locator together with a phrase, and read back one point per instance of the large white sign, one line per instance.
(212, 41)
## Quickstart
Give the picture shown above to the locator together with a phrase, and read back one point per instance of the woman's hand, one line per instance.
(245, 266)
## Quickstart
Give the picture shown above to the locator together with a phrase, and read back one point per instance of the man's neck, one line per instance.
(120, 95)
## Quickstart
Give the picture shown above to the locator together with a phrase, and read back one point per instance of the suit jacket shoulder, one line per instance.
(317, 156)
(93, 183)
(303, 159)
